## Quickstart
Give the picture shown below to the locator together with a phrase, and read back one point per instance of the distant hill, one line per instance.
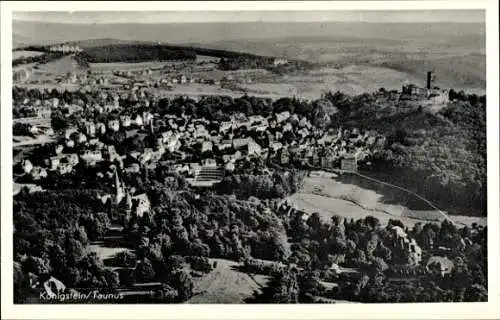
(47, 33)
(456, 51)
(114, 50)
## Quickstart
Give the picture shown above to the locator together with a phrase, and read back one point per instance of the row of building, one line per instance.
(65, 48)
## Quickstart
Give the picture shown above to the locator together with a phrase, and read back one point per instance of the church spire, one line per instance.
(118, 188)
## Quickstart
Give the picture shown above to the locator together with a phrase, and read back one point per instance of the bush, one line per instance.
(200, 263)
(263, 267)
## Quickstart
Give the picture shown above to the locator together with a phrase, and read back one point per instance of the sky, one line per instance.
(96, 17)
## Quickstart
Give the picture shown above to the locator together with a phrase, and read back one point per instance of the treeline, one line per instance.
(219, 53)
(33, 48)
(244, 62)
(147, 52)
(135, 53)
(21, 93)
(220, 108)
(144, 52)
(260, 62)
(139, 52)
(277, 185)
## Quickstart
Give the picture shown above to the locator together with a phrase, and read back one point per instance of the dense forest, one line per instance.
(52, 240)
(135, 53)
(383, 273)
(183, 228)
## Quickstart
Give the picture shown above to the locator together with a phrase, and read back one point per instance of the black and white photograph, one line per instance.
(248, 157)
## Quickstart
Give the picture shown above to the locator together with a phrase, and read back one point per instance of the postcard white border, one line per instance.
(489, 310)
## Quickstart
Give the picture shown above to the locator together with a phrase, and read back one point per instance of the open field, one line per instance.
(201, 58)
(110, 246)
(329, 197)
(106, 252)
(19, 141)
(458, 61)
(25, 54)
(197, 90)
(50, 86)
(352, 79)
(61, 66)
(130, 66)
(225, 284)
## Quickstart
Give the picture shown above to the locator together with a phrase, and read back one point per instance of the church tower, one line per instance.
(119, 190)
(151, 127)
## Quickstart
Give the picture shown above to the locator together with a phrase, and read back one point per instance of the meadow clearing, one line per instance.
(330, 196)
(226, 284)
(25, 54)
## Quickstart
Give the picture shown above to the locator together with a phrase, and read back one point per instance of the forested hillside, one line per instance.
(440, 155)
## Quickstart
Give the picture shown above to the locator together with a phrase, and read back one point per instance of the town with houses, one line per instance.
(176, 185)
(219, 147)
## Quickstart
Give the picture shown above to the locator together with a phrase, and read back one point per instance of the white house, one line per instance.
(125, 121)
(58, 148)
(280, 61)
(90, 129)
(54, 162)
(64, 168)
(138, 120)
(38, 172)
(68, 132)
(27, 166)
(206, 146)
(81, 138)
(282, 116)
(141, 203)
(70, 143)
(73, 159)
(114, 125)
(92, 156)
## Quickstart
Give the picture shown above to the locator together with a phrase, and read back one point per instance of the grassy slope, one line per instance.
(61, 66)
(225, 284)
(352, 199)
